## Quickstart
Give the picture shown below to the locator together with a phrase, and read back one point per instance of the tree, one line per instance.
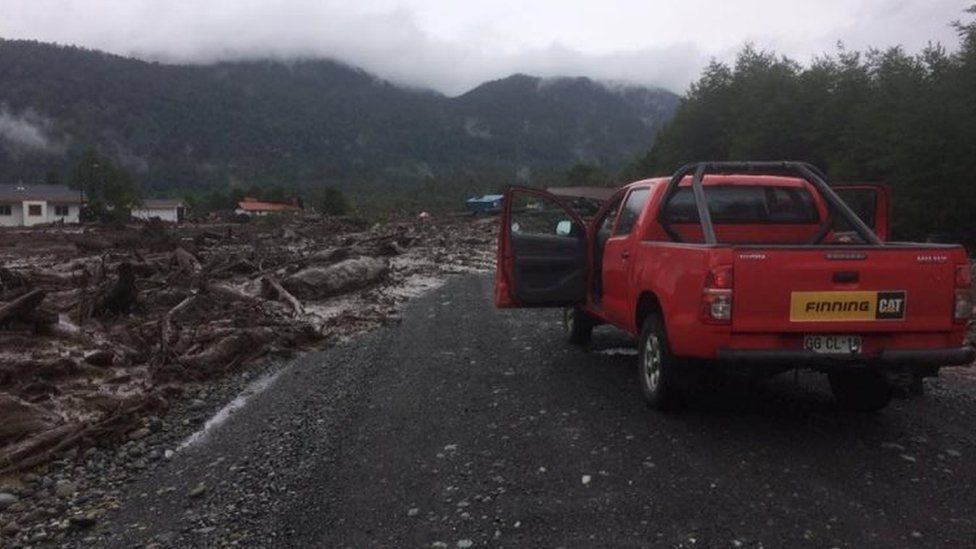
(109, 190)
(586, 175)
(330, 201)
(880, 116)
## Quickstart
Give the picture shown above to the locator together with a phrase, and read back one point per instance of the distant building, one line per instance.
(484, 204)
(253, 206)
(172, 210)
(26, 205)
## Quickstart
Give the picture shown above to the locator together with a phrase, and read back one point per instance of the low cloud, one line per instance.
(26, 131)
(453, 46)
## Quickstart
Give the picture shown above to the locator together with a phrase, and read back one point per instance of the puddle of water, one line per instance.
(255, 387)
(618, 351)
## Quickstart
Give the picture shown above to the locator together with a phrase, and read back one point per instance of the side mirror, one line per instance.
(564, 228)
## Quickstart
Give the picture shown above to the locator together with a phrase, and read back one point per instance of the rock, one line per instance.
(198, 490)
(65, 488)
(10, 529)
(413, 512)
(99, 357)
(438, 545)
(954, 453)
(6, 500)
(345, 276)
(197, 404)
(139, 433)
(586, 479)
(168, 455)
(84, 521)
(464, 543)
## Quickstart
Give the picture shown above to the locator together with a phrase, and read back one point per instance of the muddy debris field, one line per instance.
(102, 327)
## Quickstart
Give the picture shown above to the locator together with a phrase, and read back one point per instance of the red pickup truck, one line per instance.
(756, 267)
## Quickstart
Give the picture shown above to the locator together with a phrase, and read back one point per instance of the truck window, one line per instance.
(747, 205)
(631, 211)
(535, 216)
(863, 202)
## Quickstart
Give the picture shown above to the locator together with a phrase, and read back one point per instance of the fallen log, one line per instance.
(21, 306)
(21, 419)
(120, 298)
(346, 276)
(168, 330)
(271, 289)
(86, 243)
(228, 352)
(230, 294)
(187, 262)
(41, 448)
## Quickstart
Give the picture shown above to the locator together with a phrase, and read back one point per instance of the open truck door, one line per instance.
(871, 202)
(541, 259)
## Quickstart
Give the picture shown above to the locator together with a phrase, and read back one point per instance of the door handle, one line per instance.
(624, 254)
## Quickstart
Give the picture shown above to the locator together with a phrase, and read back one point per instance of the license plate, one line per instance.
(833, 344)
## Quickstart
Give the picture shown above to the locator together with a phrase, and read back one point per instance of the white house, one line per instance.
(166, 209)
(25, 205)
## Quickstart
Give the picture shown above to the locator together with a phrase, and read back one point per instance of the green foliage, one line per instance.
(586, 175)
(330, 201)
(907, 120)
(294, 124)
(109, 190)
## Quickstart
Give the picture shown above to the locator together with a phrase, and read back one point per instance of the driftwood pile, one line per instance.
(101, 327)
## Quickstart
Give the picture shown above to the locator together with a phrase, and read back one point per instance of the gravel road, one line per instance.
(464, 426)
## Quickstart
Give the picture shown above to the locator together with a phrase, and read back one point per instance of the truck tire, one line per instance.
(577, 325)
(860, 390)
(656, 368)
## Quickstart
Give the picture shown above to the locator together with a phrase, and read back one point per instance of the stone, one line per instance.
(10, 529)
(6, 500)
(139, 433)
(413, 512)
(198, 490)
(465, 543)
(86, 520)
(65, 488)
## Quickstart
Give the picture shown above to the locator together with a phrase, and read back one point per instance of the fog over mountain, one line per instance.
(305, 122)
(454, 46)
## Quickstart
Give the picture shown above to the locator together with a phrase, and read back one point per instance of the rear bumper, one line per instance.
(955, 356)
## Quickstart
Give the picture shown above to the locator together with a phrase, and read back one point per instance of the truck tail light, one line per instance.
(716, 306)
(963, 309)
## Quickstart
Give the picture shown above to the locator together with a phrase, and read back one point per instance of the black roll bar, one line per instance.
(804, 170)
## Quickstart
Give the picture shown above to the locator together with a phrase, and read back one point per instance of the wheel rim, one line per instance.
(652, 362)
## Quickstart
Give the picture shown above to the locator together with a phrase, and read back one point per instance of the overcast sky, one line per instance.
(453, 45)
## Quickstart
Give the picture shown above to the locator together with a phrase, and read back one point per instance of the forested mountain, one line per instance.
(303, 123)
(908, 120)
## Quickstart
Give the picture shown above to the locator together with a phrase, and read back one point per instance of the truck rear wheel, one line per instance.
(656, 366)
(577, 325)
(860, 390)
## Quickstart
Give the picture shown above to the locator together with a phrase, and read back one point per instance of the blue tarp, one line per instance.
(486, 203)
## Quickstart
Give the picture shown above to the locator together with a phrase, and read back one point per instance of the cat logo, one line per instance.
(846, 306)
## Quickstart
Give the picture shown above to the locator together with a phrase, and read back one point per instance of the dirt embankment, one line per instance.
(101, 328)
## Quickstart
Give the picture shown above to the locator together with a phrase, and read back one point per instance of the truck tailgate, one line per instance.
(812, 290)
